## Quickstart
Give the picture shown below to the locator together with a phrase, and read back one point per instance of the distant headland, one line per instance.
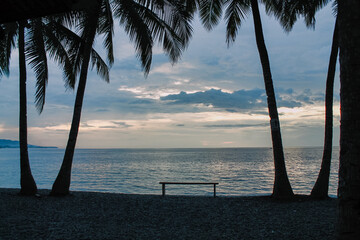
(5, 143)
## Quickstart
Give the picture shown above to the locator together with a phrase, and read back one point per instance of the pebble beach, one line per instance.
(93, 215)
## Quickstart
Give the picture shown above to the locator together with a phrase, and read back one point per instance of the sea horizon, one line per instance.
(100, 148)
(240, 171)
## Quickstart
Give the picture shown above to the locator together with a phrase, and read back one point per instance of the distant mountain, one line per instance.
(5, 143)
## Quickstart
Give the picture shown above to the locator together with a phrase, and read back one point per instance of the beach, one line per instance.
(93, 215)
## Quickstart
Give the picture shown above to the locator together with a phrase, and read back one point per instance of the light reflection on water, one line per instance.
(239, 171)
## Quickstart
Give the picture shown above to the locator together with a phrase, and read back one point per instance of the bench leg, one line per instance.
(163, 189)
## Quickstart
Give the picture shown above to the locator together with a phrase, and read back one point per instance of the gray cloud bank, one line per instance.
(244, 99)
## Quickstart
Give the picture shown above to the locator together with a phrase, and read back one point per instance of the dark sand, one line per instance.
(87, 215)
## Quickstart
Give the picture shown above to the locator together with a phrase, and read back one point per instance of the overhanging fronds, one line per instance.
(288, 11)
(234, 15)
(137, 30)
(58, 53)
(36, 54)
(210, 12)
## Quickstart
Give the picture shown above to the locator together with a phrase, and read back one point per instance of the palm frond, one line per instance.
(4, 63)
(36, 54)
(176, 13)
(58, 53)
(287, 12)
(74, 49)
(182, 15)
(137, 30)
(310, 10)
(73, 44)
(8, 42)
(69, 19)
(106, 26)
(335, 8)
(163, 32)
(210, 12)
(101, 67)
(234, 15)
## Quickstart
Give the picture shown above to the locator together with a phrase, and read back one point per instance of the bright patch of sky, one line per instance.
(213, 97)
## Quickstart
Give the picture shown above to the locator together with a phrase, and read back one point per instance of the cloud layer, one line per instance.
(213, 97)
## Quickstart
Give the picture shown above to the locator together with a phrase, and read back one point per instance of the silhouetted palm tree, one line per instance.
(288, 12)
(144, 22)
(210, 13)
(98, 18)
(349, 177)
(34, 41)
(321, 187)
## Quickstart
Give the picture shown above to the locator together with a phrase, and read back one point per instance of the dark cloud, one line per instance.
(253, 101)
(86, 125)
(122, 124)
(241, 100)
(142, 101)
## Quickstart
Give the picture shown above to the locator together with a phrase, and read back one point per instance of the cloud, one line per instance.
(122, 124)
(168, 68)
(242, 99)
(237, 125)
(213, 95)
(149, 93)
(254, 99)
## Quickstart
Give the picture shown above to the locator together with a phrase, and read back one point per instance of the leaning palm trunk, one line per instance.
(27, 182)
(61, 185)
(349, 171)
(282, 187)
(321, 187)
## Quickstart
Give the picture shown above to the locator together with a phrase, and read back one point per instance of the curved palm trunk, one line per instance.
(349, 171)
(61, 185)
(282, 187)
(321, 187)
(27, 182)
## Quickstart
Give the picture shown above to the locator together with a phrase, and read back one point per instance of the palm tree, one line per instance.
(143, 21)
(288, 12)
(210, 12)
(349, 180)
(321, 187)
(34, 40)
(89, 23)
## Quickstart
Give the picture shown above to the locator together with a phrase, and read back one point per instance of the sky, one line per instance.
(212, 97)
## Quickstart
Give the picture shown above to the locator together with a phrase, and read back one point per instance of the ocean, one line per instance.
(239, 171)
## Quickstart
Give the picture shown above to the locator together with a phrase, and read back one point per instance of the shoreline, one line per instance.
(95, 215)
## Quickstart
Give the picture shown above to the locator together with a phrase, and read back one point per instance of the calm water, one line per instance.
(239, 171)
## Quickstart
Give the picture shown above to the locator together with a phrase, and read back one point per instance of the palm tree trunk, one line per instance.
(27, 182)
(349, 171)
(61, 185)
(321, 187)
(282, 187)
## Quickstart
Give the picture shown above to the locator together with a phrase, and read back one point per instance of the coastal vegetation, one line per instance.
(144, 23)
(5, 143)
(288, 12)
(210, 13)
(90, 24)
(169, 22)
(34, 39)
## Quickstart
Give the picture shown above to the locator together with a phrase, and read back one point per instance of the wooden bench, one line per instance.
(188, 183)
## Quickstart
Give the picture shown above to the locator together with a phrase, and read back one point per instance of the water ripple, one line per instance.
(240, 171)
